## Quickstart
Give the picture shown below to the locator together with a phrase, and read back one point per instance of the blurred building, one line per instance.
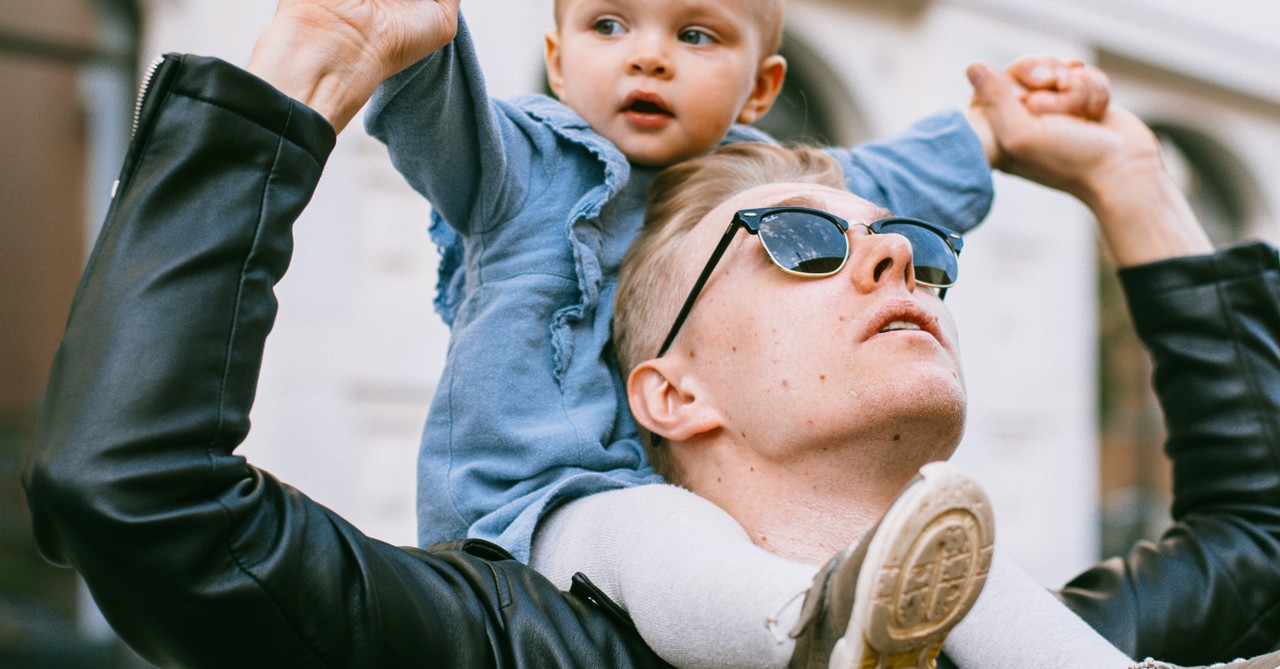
(1063, 431)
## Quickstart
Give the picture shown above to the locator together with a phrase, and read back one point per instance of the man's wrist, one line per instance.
(323, 70)
(1144, 216)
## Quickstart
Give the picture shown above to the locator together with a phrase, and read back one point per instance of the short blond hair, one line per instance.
(660, 268)
(769, 16)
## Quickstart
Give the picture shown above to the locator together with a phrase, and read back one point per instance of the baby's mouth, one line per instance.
(646, 104)
(646, 107)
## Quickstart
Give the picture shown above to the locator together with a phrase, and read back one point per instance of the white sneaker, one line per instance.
(888, 601)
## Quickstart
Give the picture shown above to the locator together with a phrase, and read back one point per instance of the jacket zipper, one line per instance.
(143, 89)
(142, 93)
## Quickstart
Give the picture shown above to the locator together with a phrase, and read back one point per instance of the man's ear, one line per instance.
(665, 403)
(769, 78)
(555, 73)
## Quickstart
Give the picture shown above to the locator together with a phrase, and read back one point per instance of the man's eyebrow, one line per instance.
(800, 201)
(814, 203)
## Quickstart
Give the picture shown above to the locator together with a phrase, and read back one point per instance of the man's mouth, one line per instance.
(896, 326)
(902, 316)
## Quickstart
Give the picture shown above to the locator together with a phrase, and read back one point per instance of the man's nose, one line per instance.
(876, 261)
(649, 56)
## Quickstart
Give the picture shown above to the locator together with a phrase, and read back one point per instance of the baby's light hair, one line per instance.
(661, 266)
(770, 16)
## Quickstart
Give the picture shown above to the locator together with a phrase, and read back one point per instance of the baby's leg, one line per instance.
(1017, 623)
(700, 593)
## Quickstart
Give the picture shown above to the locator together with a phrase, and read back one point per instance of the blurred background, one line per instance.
(1063, 430)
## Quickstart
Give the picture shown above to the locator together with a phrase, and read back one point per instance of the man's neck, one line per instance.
(803, 510)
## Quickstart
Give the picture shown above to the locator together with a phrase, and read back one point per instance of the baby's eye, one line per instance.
(696, 37)
(608, 27)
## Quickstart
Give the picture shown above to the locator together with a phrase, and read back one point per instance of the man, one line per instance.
(196, 558)
(829, 393)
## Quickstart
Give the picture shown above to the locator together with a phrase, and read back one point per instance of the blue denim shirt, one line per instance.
(532, 211)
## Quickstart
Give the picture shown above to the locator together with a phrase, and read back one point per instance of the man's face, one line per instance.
(791, 362)
(664, 81)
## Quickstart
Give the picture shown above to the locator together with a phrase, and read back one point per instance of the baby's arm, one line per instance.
(451, 141)
(939, 169)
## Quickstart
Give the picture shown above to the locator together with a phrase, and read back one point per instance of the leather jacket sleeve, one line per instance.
(1209, 589)
(197, 558)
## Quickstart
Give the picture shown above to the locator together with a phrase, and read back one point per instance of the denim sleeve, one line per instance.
(468, 154)
(935, 170)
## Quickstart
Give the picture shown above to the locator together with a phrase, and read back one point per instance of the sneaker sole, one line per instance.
(925, 565)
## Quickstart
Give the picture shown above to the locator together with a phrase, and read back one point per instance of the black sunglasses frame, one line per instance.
(750, 220)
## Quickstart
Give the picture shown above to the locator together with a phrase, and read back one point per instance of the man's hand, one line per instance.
(332, 54)
(1048, 85)
(1112, 164)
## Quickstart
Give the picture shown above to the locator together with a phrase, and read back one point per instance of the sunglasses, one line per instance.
(812, 243)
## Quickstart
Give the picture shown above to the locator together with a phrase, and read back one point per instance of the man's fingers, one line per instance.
(999, 98)
(1039, 72)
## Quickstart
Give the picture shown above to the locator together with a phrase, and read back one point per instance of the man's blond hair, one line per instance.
(661, 266)
(768, 14)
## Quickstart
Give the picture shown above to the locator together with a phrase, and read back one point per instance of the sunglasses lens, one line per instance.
(804, 243)
(935, 262)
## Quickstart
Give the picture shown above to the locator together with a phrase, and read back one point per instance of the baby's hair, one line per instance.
(769, 14)
(660, 267)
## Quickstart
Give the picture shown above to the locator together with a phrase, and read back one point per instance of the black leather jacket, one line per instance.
(1209, 589)
(196, 558)
(199, 559)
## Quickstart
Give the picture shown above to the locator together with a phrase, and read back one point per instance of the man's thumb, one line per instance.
(999, 98)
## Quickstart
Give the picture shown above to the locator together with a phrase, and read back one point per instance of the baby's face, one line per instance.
(663, 81)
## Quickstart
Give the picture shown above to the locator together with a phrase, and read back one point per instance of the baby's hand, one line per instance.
(1056, 86)
(1084, 157)
(1046, 85)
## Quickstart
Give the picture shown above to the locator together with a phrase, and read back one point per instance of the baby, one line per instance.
(535, 201)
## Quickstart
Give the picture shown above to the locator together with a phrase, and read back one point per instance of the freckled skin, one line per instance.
(786, 327)
(885, 402)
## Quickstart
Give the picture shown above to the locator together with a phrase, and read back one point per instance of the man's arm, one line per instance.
(195, 557)
(1208, 590)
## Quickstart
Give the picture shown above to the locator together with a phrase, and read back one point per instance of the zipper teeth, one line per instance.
(142, 93)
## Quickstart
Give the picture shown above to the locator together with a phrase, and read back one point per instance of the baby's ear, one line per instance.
(764, 92)
(551, 54)
(664, 400)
